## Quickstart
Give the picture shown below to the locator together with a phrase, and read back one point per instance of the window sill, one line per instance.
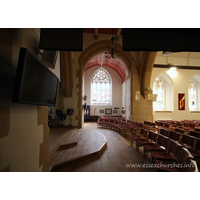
(163, 111)
(195, 111)
(101, 104)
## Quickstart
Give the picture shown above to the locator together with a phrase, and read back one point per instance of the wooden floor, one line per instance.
(62, 135)
(117, 157)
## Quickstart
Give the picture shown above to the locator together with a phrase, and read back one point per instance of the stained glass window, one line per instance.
(101, 87)
(158, 89)
(192, 94)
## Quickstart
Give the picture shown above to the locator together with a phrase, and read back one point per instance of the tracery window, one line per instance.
(158, 89)
(101, 88)
(192, 95)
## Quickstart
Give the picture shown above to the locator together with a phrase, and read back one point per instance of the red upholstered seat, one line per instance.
(196, 153)
(125, 128)
(139, 136)
(159, 125)
(159, 146)
(100, 122)
(174, 135)
(185, 163)
(151, 140)
(187, 141)
(173, 126)
(179, 130)
(164, 132)
(119, 126)
(110, 123)
(171, 154)
(197, 129)
(166, 125)
(116, 124)
(195, 134)
(162, 156)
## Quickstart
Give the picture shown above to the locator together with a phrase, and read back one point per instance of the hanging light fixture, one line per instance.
(112, 51)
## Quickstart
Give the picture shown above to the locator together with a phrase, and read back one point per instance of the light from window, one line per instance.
(101, 87)
(158, 88)
(192, 95)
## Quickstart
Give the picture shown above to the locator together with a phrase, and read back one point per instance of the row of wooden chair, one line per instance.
(157, 143)
(172, 125)
(124, 126)
(119, 124)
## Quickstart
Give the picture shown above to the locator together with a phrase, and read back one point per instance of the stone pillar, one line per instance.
(142, 109)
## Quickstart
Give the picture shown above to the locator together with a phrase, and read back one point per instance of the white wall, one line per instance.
(168, 98)
(198, 96)
(128, 99)
(123, 96)
(116, 91)
(180, 80)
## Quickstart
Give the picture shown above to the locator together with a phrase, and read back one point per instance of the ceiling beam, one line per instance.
(117, 34)
(96, 33)
(178, 67)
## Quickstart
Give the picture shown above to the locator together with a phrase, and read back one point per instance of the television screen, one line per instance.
(161, 39)
(61, 39)
(34, 82)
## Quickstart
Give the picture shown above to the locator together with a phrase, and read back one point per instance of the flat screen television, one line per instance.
(61, 39)
(34, 82)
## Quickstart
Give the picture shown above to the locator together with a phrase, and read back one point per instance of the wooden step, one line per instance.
(63, 138)
(90, 144)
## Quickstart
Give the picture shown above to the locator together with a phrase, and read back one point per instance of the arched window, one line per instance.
(193, 94)
(101, 88)
(158, 89)
(163, 93)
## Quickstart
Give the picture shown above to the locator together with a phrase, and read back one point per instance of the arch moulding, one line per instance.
(88, 54)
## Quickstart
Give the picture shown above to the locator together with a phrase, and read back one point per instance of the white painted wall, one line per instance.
(168, 98)
(116, 91)
(123, 96)
(180, 80)
(198, 96)
(128, 98)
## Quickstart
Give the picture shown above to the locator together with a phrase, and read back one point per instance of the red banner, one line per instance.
(181, 101)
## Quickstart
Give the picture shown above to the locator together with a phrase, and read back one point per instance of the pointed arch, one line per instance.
(145, 70)
(93, 50)
(163, 90)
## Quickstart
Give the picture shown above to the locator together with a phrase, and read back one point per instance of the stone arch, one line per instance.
(145, 70)
(89, 53)
(166, 77)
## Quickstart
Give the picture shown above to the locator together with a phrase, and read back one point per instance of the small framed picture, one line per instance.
(115, 111)
(108, 111)
(101, 111)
